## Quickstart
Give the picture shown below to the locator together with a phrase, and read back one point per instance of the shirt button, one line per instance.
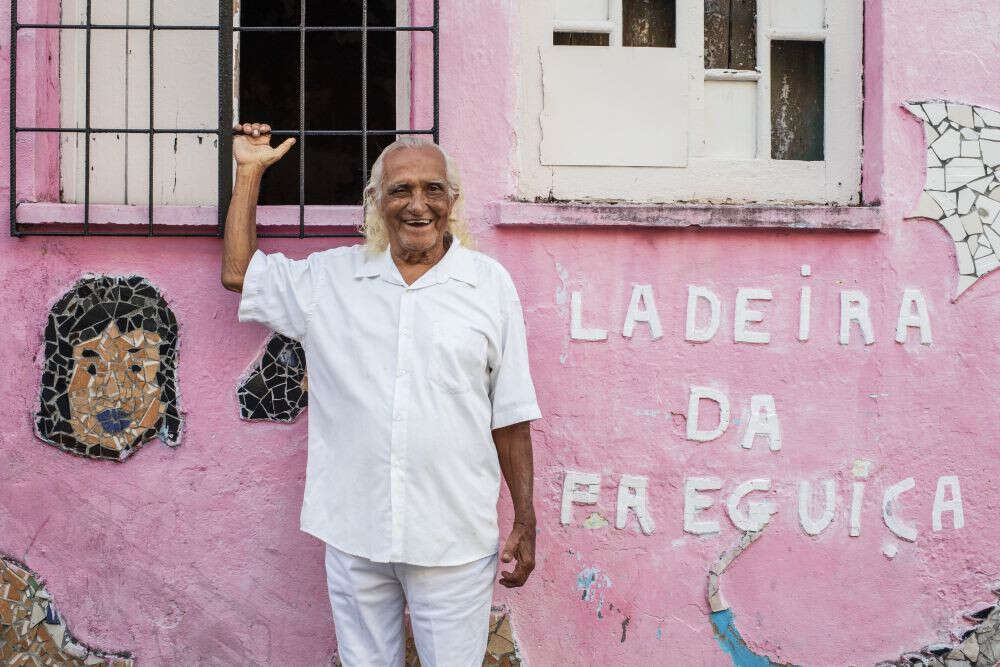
(404, 331)
(401, 372)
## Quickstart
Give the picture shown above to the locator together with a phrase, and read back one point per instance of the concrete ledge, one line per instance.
(725, 216)
(179, 216)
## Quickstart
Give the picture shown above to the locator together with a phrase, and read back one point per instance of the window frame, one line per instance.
(54, 218)
(835, 181)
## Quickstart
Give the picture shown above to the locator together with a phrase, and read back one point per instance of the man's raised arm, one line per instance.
(253, 154)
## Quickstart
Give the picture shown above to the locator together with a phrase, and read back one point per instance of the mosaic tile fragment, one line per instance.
(276, 387)
(33, 633)
(963, 176)
(109, 381)
(976, 644)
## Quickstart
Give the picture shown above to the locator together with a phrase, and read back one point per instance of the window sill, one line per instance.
(181, 219)
(723, 216)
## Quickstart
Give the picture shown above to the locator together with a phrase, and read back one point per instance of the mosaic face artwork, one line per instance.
(276, 388)
(109, 381)
(962, 190)
(32, 633)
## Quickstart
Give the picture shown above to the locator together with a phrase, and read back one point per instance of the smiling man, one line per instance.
(420, 398)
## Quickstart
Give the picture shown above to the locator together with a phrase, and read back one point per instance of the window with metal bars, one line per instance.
(122, 111)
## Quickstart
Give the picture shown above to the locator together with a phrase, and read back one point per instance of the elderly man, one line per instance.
(420, 398)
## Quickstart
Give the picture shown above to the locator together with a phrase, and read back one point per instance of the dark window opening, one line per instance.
(580, 38)
(269, 91)
(649, 23)
(275, 46)
(797, 71)
(731, 34)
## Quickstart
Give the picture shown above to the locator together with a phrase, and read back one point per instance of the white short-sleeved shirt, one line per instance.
(405, 385)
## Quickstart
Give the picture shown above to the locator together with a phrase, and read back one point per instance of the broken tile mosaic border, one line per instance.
(33, 633)
(975, 646)
(276, 386)
(962, 187)
(109, 376)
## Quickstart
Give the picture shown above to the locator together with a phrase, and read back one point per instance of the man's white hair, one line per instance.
(373, 225)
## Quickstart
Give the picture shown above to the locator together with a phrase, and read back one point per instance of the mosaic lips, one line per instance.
(114, 420)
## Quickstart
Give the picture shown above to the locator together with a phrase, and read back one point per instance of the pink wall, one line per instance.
(192, 556)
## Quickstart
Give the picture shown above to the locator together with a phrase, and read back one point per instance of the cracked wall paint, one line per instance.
(721, 615)
(593, 585)
(33, 633)
(109, 380)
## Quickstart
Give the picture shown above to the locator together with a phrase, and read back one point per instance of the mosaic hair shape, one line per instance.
(276, 387)
(94, 306)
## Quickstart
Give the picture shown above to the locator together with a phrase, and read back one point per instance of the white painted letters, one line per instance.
(758, 512)
(632, 496)
(576, 329)
(642, 294)
(953, 505)
(746, 315)
(571, 494)
(857, 495)
(889, 511)
(816, 526)
(694, 402)
(854, 307)
(694, 502)
(913, 299)
(763, 421)
(692, 331)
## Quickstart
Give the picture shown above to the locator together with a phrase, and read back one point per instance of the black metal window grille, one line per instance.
(223, 131)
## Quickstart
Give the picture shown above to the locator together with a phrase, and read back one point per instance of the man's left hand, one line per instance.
(520, 547)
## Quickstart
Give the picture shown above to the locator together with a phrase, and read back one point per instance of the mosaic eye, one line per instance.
(136, 368)
(92, 369)
(89, 354)
(133, 350)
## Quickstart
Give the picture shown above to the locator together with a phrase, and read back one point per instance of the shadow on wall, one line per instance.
(276, 388)
(32, 633)
(109, 381)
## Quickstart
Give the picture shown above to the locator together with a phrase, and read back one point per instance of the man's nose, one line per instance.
(417, 203)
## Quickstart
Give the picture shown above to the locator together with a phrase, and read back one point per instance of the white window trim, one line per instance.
(835, 180)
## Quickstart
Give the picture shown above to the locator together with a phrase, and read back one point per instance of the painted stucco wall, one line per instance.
(192, 555)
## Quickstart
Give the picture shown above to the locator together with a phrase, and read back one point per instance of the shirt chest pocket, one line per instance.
(458, 357)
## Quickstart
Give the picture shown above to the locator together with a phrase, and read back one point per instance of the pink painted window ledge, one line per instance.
(526, 214)
(48, 213)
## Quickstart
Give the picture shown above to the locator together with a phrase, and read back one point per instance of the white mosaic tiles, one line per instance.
(962, 190)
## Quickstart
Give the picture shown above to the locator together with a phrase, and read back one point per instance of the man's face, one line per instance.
(415, 201)
(113, 394)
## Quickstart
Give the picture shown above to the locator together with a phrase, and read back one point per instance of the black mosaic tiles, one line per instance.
(276, 388)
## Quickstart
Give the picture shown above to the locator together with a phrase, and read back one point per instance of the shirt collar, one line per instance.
(458, 262)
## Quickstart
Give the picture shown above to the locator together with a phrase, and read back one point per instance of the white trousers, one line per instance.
(449, 610)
